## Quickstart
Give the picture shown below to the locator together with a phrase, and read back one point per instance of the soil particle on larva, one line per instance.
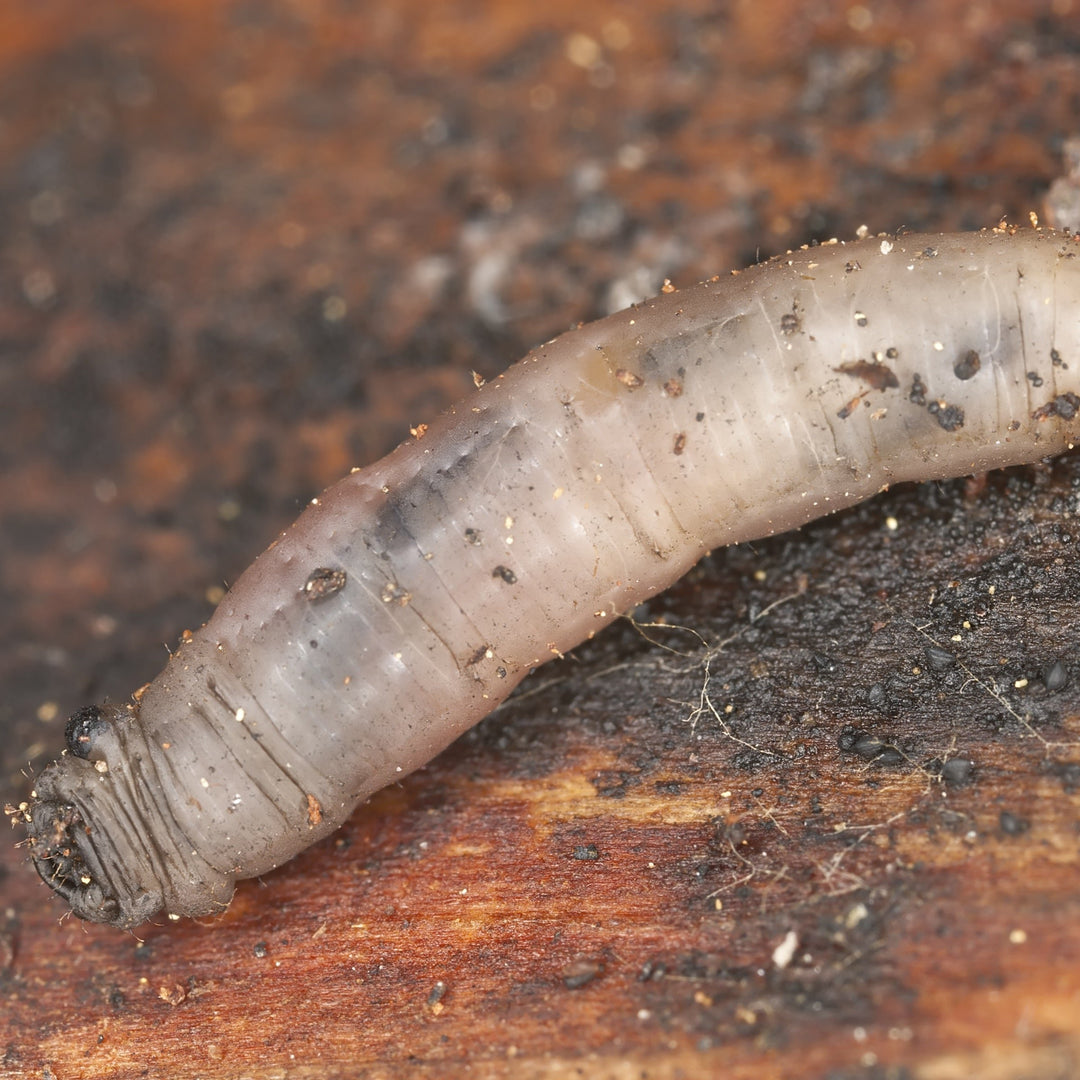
(324, 582)
(1065, 406)
(876, 375)
(949, 417)
(968, 365)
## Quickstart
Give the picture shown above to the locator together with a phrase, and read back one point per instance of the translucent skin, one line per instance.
(411, 597)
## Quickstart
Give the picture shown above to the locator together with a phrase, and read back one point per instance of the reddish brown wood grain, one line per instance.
(246, 247)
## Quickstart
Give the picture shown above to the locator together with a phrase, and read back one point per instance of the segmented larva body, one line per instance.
(410, 598)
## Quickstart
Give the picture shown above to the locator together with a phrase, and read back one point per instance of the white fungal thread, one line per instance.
(395, 613)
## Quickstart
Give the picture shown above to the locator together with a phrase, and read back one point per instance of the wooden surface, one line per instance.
(827, 828)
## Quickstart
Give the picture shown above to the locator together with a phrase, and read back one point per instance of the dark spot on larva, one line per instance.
(929, 252)
(479, 655)
(83, 727)
(968, 365)
(1012, 824)
(1055, 358)
(1065, 406)
(586, 853)
(506, 574)
(844, 412)
(699, 417)
(949, 417)
(939, 659)
(852, 266)
(473, 537)
(892, 352)
(313, 644)
(917, 393)
(650, 366)
(876, 375)
(673, 388)
(1014, 425)
(629, 379)
(1055, 676)
(790, 323)
(260, 950)
(861, 319)
(501, 672)
(1034, 378)
(680, 442)
(324, 582)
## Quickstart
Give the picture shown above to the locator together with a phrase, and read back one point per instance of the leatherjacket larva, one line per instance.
(411, 597)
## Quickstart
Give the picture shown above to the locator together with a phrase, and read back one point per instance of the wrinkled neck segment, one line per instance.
(74, 852)
(99, 841)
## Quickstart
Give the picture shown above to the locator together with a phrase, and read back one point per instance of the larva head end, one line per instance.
(102, 829)
(62, 848)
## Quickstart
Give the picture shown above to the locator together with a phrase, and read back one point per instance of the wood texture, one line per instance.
(245, 247)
